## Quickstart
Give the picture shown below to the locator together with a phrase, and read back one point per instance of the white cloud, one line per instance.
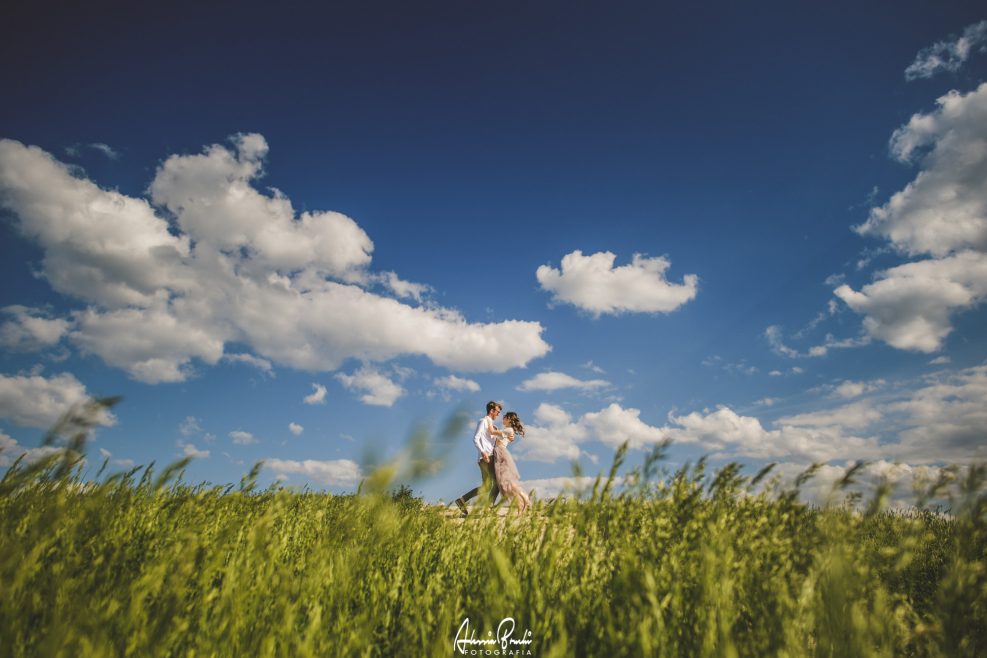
(99, 245)
(553, 381)
(735, 435)
(939, 418)
(593, 284)
(261, 364)
(242, 438)
(212, 197)
(30, 329)
(774, 336)
(818, 490)
(402, 372)
(190, 426)
(945, 419)
(36, 401)
(857, 415)
(615, 425)
(105, 149)
(830, 342)
(944, 210)
(867, 257)
(10, 450)
(767, 402)
(295, 429)
(340, 472)
(832, 307)
(851, 389)
(550, 442)
(555, 435)
(940, 361)
(565, 485)
(405, 289)
(552, 415)
(106, 454)
(552, 436)
(589, 365)
(380, 391)
(317, 396)
(237, 266)
(941, 213)
(153, 344)
(948, 55)
(909, 306)
(190, 450)
(454, 383)
(232, 460)
(741, 368)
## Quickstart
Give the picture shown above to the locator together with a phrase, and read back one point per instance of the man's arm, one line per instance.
(493, 428)
(477, 436)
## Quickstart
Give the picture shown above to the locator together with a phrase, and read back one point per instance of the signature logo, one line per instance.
(502, 644)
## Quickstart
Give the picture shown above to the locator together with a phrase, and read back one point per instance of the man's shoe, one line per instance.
(461, 504)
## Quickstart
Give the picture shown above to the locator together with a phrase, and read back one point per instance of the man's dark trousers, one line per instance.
(489, 482)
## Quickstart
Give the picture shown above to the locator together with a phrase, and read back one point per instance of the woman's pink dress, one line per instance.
(508, 479)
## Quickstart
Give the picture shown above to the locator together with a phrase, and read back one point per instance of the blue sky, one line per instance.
(294, 235)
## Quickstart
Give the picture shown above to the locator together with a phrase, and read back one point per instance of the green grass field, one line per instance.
(689, 564)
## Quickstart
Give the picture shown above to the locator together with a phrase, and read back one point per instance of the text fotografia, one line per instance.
(501, 644)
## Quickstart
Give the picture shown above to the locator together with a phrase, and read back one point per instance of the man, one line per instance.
(483, 439)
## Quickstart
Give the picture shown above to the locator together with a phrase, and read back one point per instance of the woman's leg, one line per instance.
(523, 501)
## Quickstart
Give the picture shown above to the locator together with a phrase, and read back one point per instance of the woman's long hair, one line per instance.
(511, 420)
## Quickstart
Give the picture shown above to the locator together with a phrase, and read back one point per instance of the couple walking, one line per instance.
(497, 467)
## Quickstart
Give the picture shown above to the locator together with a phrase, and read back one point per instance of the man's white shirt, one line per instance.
(483, 439)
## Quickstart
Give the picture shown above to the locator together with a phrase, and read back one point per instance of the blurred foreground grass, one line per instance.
(694, 564)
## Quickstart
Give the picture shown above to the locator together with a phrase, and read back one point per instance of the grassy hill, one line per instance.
(693, 564)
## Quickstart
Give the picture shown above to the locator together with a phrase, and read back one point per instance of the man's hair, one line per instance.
(492, 405)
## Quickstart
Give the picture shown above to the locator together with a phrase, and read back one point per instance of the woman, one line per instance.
(508, 478)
